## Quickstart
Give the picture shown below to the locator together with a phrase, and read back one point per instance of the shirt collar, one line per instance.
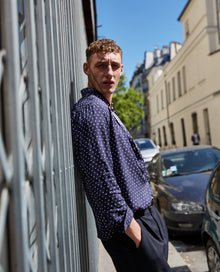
(91, 91)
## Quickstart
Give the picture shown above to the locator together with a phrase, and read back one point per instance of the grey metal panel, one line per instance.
(47, 137)
(14, 151)
(33, 90)
(55, 81)
(64, 82)
(41, 77)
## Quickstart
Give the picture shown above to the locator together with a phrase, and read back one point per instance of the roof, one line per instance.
(186, 149)
(184, 10)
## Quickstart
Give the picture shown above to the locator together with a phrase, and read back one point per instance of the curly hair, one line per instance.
(104, 45)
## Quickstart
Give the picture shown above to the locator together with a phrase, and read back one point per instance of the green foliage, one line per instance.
(121, 88)
(128, 104)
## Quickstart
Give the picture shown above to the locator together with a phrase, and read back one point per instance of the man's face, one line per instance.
(103, 71)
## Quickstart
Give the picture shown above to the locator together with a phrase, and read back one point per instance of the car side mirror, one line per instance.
(153, 175)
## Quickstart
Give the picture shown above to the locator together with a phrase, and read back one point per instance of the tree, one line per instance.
(128, 103)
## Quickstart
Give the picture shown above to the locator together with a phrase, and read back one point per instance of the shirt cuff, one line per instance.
(128, 218)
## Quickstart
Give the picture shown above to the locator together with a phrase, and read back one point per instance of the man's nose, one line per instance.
(109, 70)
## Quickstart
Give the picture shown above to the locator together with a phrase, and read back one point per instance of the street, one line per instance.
(189, 252)
(192, 251)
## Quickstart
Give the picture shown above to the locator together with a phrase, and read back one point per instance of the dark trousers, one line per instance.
(151, 255)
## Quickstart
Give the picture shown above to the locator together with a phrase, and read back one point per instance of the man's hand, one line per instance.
(134, 232)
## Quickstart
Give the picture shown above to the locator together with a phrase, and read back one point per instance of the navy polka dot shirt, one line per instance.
(111, 166)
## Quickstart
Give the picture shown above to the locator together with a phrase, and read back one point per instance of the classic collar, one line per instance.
(91, 91)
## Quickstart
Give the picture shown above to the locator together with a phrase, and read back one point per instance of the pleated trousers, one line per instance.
(152, 253)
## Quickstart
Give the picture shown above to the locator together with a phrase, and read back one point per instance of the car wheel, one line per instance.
(213, 257)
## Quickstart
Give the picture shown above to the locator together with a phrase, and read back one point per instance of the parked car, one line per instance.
(211, 222)
(179, 179)
(148, 149)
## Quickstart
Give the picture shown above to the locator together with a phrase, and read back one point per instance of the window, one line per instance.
(183, 132)
(186, 29)
(164, 136)
(144, 144)
(172, 134)
(194, 122)
(179, 84)
(174, 88)
(154, 166)
(162, 102)
(213, 192)
(208, 139)
(215, 185)
(159, 137)
(157, 104)
(184, 79)
(168, 93)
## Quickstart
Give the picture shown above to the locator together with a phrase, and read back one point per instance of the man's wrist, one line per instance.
(134, 232)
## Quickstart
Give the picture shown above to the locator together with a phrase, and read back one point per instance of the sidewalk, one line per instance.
(175, 261)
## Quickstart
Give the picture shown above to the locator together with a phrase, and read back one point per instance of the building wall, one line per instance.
(157, 59)
(46, 224)
(197, 65)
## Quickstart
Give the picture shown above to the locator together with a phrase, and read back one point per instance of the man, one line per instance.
(195, 138)
(113, 171)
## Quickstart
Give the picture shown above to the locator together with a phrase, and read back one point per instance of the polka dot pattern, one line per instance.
(111, 166)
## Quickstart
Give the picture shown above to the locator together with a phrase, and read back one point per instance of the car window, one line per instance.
(216, 154)
(188, 162)
(154, 165)
(144, 144)
(213, 194)
(215, 184)
(172, 164)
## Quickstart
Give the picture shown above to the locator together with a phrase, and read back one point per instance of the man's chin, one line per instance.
(109, 90)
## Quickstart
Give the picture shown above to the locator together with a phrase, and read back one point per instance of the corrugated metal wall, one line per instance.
(45, 221)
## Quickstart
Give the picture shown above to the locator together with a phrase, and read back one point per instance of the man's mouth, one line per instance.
(108, 83)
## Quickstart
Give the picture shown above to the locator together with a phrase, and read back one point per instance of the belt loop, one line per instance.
(140, 213)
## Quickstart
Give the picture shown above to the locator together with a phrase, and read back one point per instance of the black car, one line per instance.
(211, 222)
(179, 179)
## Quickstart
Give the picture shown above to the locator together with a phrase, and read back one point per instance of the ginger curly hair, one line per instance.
(103, 45)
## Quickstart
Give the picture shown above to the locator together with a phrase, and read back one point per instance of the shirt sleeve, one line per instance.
(91, 141)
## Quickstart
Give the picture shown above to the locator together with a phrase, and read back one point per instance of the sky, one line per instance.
(139, 26)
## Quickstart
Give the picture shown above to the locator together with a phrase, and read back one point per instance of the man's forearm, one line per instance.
(134, 232)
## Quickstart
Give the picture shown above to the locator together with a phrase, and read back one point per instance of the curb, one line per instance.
(175, 260)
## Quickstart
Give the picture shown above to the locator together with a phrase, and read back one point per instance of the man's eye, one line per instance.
(101, 65)
(115, 66)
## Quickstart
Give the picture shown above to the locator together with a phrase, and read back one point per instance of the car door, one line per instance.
(213, 202)
(154, 173)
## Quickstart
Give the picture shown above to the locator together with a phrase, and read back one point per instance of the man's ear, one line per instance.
(122, 66)
(86, 68)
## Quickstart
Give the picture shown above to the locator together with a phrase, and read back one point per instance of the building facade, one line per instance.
(46, 223)
(157, 59)
(185, 94)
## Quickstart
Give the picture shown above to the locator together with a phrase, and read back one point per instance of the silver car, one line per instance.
(148, 149)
